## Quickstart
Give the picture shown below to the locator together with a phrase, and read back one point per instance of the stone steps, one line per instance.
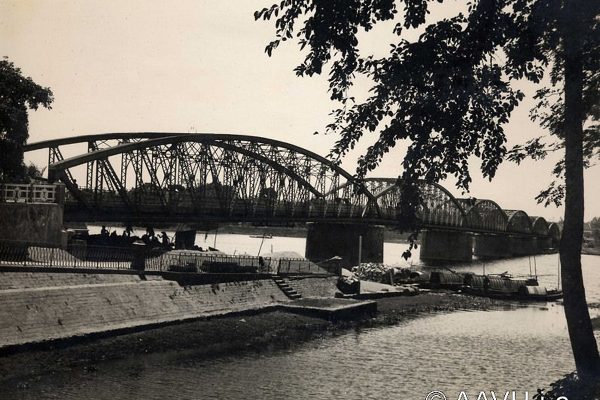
(289, 291)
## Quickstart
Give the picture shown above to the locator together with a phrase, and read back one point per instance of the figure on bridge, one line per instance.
(165, 239)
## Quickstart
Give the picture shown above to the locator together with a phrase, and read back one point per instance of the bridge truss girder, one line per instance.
(236, 177)
(228, 175)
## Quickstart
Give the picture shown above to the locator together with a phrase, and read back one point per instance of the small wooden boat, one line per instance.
(445, 280)
(504, 287)
(261, 236)
(527, 294)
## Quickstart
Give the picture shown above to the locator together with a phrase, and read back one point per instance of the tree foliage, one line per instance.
(17, 95)
(549, 112)
(460, 66)
(449, 93)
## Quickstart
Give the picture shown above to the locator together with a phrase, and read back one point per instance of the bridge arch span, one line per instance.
(438, 205)
(100, 137)
(539, 226)
(518, 221)
(484, 215)
(238, 172)
(555, 233)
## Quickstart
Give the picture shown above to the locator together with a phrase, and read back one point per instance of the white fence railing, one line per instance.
(32, 193)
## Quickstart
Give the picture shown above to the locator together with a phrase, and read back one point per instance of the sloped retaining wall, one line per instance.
(38, 307)
(309, 286)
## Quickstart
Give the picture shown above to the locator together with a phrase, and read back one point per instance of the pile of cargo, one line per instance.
(382, 273)
(373, 272)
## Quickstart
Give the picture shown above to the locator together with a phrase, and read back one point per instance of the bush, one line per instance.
(571, 387)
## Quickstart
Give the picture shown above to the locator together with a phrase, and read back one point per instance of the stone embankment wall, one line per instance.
(38, 223)
(37, 307)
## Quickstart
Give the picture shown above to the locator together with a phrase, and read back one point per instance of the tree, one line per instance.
(449, 93)
(17, 95)
(33, 173)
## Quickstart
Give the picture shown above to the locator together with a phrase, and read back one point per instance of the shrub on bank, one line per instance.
(571, 387)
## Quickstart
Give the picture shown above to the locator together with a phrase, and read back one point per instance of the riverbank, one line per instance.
(212, 337)
(591, 251)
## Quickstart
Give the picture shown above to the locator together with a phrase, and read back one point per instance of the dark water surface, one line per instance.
(497, 350)
(518, 349)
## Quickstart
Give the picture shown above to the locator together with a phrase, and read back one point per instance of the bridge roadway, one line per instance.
(154, 177)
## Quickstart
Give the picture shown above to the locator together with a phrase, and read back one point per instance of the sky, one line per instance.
(200, 66)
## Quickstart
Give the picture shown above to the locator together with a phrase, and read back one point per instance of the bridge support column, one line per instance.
(185, 239)
(327, 240)
(523, 245)
(491, 246)
(441, 246)
(543, 244)
(532, 245)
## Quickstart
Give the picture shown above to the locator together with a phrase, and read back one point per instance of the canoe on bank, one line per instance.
(526, 293)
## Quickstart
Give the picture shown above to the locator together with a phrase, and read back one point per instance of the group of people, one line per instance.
(153, 240)
(149, 238)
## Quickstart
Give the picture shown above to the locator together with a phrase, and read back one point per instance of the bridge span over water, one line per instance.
(153, 177)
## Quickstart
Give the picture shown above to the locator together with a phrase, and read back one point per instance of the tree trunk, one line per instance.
(583, 342)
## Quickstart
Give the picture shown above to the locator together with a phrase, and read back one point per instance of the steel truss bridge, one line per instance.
(154, 177)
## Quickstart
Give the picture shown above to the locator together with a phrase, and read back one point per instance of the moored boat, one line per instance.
(262, 236)
(505, 287)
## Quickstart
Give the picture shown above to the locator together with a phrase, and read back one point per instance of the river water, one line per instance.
(517, 349)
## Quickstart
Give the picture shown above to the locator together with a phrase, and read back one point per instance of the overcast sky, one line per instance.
(119, 66)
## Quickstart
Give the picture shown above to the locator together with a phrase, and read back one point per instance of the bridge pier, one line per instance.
(489, 246)
(440, 246)
(523, 245)
(185, 239)
(326, 240)
(544, 243)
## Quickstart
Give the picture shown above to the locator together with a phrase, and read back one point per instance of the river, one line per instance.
(517, 349)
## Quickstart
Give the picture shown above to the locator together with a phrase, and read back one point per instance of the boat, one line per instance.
(448, 279)
(505, 287)
(262, 236)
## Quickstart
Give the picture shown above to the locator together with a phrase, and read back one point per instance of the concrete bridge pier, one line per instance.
(185, 239)
(490, 246)
(543, 243)
(327, 240)
(532, 245)
(443, 246)
(523, 245)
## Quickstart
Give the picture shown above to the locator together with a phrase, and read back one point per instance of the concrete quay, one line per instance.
(45, 307)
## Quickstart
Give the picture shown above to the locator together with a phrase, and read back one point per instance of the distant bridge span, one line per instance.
(153, 177)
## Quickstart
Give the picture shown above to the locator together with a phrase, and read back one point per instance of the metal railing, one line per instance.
(298, 266)
(88, 257)
(31, 193)
(122, 258)
(208, 262)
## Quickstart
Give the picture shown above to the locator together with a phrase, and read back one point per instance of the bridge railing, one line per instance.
(181, 260)
(13, 253)
(31, 193)
(90, 257)
(288, 266)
